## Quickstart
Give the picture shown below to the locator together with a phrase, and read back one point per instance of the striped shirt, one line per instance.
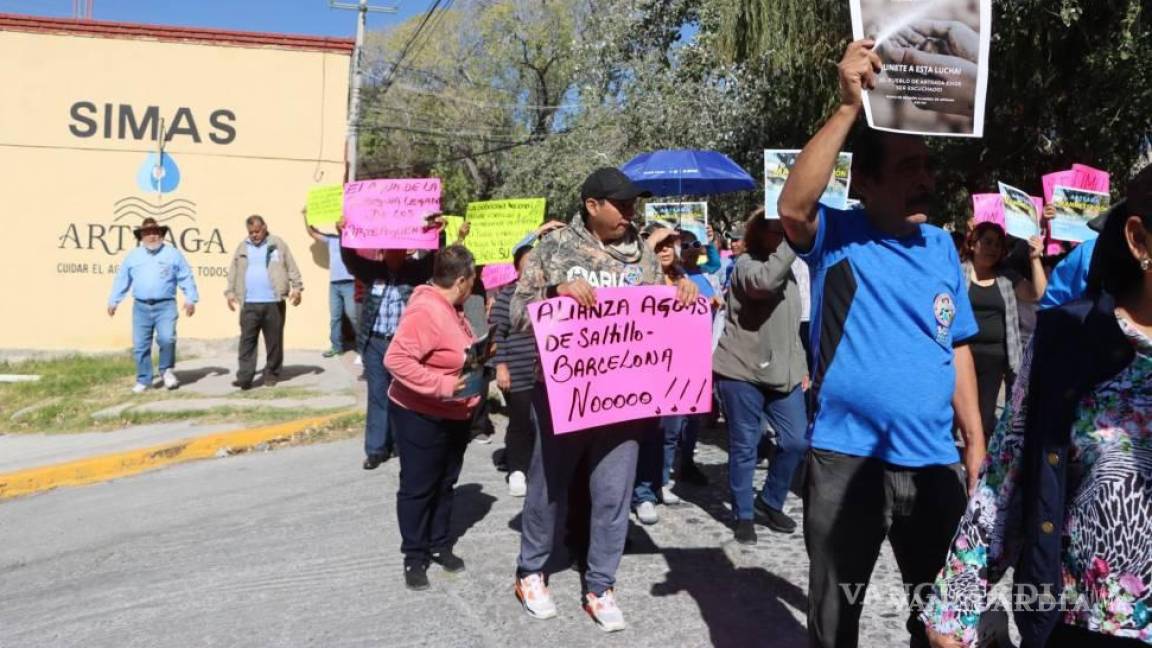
(517, 350)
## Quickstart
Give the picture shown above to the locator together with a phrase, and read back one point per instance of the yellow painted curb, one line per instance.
(131, 462)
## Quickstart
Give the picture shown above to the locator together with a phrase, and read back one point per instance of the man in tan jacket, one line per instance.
(262, 275)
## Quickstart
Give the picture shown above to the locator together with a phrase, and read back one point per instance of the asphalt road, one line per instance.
(299, 547)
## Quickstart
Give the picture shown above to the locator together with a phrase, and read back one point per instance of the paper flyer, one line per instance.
(778, 164)
(686, 216)
(1074, 208)
(935, 57)
(1021, 218)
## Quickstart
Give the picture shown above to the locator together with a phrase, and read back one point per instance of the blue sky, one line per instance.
(287, 16)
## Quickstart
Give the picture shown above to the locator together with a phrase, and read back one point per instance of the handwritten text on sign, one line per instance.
(391, 214)
(325, 204)
(497, 225)
(636, 354)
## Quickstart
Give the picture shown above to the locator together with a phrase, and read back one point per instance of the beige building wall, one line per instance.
(270, 123)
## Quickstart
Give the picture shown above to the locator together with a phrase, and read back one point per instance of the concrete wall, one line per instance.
(250, 130)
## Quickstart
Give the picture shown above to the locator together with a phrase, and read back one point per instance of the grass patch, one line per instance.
(72, 388)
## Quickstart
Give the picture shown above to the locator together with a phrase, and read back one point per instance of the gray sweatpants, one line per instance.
(611, 454)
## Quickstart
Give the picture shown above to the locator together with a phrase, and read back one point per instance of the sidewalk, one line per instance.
(34, 462)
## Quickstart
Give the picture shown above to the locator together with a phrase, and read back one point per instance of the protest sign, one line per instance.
(778, 164)
(391, 214)
(1085, 177)
(637, 353)
(325, 205)
(495, 226)
(1074, 208)
(452, 228)
(495, 275)
(687, 216)
(1021, 216)
(988, 208)
(1050, 180)
(935, 64)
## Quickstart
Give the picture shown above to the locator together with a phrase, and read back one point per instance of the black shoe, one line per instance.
(449, 561)
(773, 519)
(690, 473)
(270, 381)
(745, 532)
(416, 576)
(243, 385)
(374, 460)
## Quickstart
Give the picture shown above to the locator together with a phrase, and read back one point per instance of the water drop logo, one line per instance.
(158, 173)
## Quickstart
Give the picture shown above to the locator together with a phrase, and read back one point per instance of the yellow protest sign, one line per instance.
(452, 228)
(497, 225)
(325, 204)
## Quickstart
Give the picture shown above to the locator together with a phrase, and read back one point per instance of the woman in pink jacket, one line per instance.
(432, 403)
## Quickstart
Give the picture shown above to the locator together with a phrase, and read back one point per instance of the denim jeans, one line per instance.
(377, 439)
(159, 319)
(748, 406)
(341, 304)
(658, 453)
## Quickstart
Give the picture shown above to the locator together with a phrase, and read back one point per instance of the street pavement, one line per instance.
(299, 547)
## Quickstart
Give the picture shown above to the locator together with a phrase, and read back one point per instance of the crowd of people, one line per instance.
(865, 352)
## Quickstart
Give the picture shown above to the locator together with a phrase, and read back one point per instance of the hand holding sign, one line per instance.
(857, 72)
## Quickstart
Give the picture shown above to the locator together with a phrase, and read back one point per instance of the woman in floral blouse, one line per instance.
(1104, 479)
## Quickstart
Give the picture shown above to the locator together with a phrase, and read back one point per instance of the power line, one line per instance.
(388, 80)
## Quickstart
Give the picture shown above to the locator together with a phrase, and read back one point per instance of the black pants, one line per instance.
(254, 320)
(991, 365)
(521, 436)
(431, 455)
(851, 504)
(481, 417)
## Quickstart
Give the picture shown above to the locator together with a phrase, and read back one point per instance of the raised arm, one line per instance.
(764, 279)
(809, 177)
(316, 234)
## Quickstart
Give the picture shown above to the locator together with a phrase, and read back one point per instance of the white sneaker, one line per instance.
(359, 361)
(139, 388)
(170, 379)
(517, 484)
(647, 514)
(604, 611)
(535, 596)
(670, 498)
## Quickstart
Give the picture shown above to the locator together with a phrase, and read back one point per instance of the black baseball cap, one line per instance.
(611, 183)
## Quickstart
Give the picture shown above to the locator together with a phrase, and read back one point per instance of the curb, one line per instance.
(131, 462)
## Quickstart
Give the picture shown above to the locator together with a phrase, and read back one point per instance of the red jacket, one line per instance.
(427, 354)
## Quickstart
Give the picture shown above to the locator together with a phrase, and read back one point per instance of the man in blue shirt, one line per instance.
(152, 272)
(890, 375)
(341, 292)
(263, 274)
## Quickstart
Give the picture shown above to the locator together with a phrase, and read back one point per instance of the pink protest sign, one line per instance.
(988, 208)
(391, 214)
(1065, 178)
(495, 275)
(636, 354)
(1091, 179)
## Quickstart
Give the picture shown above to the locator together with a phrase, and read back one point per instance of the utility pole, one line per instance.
(355, 76)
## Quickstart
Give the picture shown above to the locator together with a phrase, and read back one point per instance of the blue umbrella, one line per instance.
(679, 172)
